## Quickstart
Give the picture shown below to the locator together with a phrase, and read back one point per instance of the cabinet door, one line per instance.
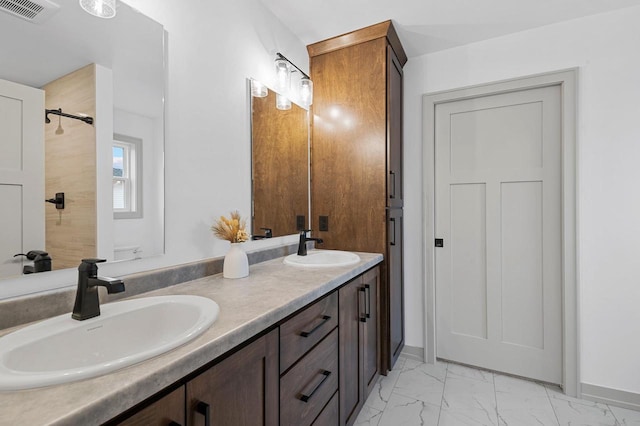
(371, 333)
(240, 390)
(395, 284)
(394, 130)
(167, 411)
(351, 315)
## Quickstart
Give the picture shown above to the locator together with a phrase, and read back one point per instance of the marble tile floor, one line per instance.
(447, 394)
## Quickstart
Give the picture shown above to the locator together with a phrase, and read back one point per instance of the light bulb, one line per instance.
(283, 76)
(100, 8)
(282, 102)
(306, 91)
(258, 89)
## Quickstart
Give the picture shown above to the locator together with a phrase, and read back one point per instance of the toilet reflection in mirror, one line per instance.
(118, 80)
(279, 164)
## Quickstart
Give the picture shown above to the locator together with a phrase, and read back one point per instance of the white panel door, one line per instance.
(21, 174)
(498, 209)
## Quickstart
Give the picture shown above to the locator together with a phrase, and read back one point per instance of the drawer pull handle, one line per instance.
(392, 193)
(367, 303)
(363, 317)
(306, 398)
(174, 424)
(204, 409)
(325, 318)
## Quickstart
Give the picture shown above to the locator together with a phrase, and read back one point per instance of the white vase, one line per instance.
(236, 263)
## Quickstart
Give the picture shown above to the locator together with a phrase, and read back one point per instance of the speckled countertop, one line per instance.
(248, 306)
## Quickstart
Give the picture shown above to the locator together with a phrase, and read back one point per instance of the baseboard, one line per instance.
(615, 397)
(413, 352)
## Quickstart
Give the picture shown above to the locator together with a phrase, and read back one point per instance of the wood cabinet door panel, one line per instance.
(395, 284)
(371, 332)
(163, 412)
(241, 389)
(394, 131)
(350, 300)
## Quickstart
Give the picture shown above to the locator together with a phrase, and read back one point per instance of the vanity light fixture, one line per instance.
(284, 68)
(99, 8)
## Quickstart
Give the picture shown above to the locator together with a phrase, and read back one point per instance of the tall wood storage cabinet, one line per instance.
(356, 159)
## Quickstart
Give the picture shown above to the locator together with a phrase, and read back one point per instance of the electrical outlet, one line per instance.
(324, 223)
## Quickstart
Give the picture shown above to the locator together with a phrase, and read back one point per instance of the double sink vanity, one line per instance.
(295, 343)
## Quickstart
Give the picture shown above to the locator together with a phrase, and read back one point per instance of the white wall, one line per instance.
(146, 231)
(605, 48)
(213, 47)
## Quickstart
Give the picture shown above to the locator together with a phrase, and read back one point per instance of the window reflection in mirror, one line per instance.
(279, 166)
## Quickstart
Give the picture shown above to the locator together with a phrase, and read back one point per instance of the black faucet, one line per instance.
(302, 246)
(87, 302)
(268, 233)
(41, 261)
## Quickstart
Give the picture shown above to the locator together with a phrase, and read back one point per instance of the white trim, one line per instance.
(567, 79)
(610, 396)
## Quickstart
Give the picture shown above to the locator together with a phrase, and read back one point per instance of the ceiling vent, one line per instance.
(36, 11)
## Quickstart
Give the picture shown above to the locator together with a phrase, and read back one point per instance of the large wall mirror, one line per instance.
(102, 83)
(279, 165)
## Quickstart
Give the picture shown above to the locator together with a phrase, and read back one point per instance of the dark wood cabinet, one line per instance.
(306, 329)
(351, 314)
(356, 167)
(309, 364)
(371, 331)
(310, 384)
(359, 337)
(316, 368)
(395, 194)
(166, 411)
(395, 292)
(240, 390)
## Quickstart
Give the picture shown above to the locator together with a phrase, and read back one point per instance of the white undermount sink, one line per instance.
(323, 259)
(62, 350)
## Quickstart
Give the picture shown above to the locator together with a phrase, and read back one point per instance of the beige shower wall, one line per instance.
(70, 167)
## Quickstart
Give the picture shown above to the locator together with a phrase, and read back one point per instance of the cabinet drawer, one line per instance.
(309, 385)
(330, 415)
(303, 331)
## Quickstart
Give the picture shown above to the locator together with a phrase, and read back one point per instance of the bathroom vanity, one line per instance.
(291, 346)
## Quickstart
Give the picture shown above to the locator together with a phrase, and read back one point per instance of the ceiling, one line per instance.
(131, 45)
(427, 26)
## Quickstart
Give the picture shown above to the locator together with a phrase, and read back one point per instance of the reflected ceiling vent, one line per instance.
(36, 11)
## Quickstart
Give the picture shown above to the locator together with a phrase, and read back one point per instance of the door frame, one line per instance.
(567, 80)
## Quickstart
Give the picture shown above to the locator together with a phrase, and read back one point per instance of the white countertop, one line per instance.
(248, 306)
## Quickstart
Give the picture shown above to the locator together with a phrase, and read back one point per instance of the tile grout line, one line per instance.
(618, 422)
(552, 406)
(444, 385)
(495, 397)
